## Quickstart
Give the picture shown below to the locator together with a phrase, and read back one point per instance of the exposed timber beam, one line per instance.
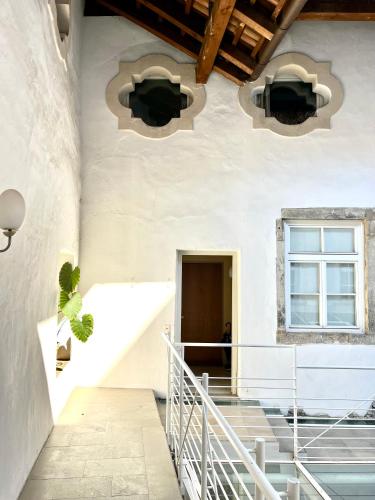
(339, 10)
(189, 44)
(194, 26)
(215, 29)
(336, 16)
(254, 18)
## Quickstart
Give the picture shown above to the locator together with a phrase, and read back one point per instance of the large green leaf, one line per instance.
(75, 277)
(64, 299)
(65, 277)
(71, 308)
(82, 329)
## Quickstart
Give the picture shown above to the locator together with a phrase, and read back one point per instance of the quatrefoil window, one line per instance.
(290, 102)
(156, 101)
(155, 96)
(293, 96)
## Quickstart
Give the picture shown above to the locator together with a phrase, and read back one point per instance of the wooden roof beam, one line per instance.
(248, 36)
(255, 19)
(215, 29)
(187, 45)
(338, 10)
(194, 26)
(172, 35)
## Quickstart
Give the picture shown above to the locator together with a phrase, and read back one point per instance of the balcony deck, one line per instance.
(108, 443)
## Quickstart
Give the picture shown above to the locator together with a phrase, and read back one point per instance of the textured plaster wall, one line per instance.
(220, 187)
(39, 150)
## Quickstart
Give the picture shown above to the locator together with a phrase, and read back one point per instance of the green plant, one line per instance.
(70, 302)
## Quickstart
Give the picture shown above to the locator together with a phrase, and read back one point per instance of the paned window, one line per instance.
(324, 275)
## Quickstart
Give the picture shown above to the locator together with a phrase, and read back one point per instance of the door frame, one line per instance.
(236, 334)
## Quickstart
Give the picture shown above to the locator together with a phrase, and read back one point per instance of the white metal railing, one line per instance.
(344, 433)
(311, 427)
(208, 461)
(268, 409)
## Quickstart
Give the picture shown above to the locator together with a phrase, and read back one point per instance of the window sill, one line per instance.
(324, 337)
(336, 331)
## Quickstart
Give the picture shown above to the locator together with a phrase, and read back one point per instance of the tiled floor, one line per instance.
(108, 443)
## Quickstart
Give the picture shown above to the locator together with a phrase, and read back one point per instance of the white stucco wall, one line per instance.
(220, 187)
(39, 150)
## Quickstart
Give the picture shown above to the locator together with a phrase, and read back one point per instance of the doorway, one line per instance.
(206, 289)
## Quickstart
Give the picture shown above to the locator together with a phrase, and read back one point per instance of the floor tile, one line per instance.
(161, 477)
(162, 483)
(92, 452)
(59, 437)
(79, 429)
(87, 438)
(117, 497)
(129, 485)
(155, 447)
(56, 489)
(117, 435)
(107, 444)
(47, 469)
(115, 466)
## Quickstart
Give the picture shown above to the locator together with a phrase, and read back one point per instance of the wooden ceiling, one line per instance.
(233, 37)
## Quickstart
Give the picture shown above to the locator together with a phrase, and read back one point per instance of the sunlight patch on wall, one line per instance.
(122, 313)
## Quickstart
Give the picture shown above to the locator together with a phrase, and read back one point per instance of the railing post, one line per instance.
(205, 444)
(260, 458)
(169, 399)
(181, 420)
(295, 405)
(293, 489)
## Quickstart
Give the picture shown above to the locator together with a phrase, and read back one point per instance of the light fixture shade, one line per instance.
(12, 209)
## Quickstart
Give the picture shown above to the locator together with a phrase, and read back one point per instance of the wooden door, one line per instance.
(202, 311)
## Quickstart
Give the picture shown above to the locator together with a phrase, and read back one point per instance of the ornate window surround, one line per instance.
(308, 70)
(155, 66)
(367, 217)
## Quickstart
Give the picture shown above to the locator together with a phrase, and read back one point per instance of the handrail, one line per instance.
(334, 367)
(258, 476)
(223, 344)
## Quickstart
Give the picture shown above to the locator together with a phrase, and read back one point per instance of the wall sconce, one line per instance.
(12, 213)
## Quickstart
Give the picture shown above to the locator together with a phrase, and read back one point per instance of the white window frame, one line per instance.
(357, 257)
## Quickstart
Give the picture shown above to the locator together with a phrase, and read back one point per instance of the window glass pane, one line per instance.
(339, 239)
(304, 239)
(340, 278)
(304, 310)
(290, 102)
(304, 277)
(341, 311)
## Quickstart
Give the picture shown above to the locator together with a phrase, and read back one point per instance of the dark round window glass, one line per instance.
(157, 101)
(290, 102)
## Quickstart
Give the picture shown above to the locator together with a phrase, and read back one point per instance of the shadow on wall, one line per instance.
(60, 388)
